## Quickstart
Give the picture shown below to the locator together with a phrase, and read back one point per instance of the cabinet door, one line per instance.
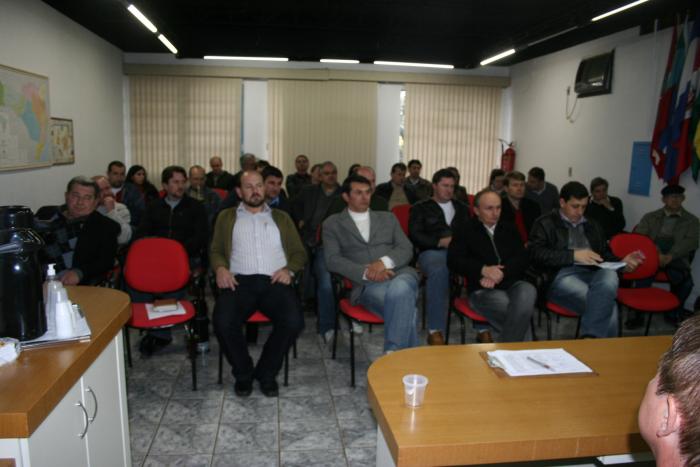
(104, 394)
(56, 441)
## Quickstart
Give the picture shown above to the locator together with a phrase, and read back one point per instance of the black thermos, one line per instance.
(22, 313)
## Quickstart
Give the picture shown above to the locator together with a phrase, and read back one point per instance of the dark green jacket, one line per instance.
(220, 252)
(685, 233)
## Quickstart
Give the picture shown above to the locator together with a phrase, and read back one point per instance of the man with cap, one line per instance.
(675, 233)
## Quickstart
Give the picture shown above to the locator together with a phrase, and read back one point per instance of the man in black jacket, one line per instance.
(79, 240)
(569, 248)
(517, 209)
(607, 210)
(274, 194)
(396, 191)
(430, 229)
(491, 255)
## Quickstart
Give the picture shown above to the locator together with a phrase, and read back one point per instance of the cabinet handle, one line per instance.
(85, 420)
(94, 398)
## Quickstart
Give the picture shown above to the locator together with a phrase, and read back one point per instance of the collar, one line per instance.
(242, 210)
(359, 216)
(568, 221)
(672, 214)
(491, 230)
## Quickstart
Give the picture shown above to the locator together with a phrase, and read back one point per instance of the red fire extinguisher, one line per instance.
(507, 155)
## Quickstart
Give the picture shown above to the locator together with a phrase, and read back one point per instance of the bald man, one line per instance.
(218, 177)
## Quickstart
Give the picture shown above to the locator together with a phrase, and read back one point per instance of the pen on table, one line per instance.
(542, 364)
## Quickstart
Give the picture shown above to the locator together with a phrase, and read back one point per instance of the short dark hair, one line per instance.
(271, 171)
(414, 161)
(537, 172)
(573, 190)
(353, 168)
(679, 375)
(314, 167)
(354, 178)
(398, 166)
(513, 175)
(598, 181)
(443, 173)
(496, 173)
(262, 163)
(477, 197)
(83, 181)
(119, 164)
(171, 170)
(302, 155)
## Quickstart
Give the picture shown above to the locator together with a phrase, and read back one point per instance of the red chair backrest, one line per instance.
(221, 192)
(625, 243)
(157, 265)
(402, 213)
(471, 203)
(161, 194)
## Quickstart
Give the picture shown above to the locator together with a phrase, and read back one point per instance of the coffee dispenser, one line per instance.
(22, 313)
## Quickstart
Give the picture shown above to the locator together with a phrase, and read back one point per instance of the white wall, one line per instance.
(388, 128)
(599, 140)
(255, 137)
(85, 85)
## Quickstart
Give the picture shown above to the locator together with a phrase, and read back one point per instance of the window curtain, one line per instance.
(184, 121)
(453, 126)
(326, 120)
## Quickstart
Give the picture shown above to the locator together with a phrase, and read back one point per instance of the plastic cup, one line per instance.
(414, 389)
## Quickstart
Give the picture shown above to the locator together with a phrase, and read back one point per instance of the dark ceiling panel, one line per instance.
(458, 32)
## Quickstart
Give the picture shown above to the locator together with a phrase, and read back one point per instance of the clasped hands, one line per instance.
(226, 280)
(491, 276)
(377, 272)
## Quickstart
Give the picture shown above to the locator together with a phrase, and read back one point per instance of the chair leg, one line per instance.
(463, 331)
(127, 344)
(425, 310)
(286, 367)
(532, 329)
(192, 347)
(578, 327)
(335, 334)
(549, 326)
(447, 326)
(646, 332)
(221, 366)
(352, 355)
(294, 349)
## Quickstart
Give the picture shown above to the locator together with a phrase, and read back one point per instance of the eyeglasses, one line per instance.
(77, 197)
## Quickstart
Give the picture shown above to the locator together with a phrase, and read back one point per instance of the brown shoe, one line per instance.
(435, 338)
(484, 337)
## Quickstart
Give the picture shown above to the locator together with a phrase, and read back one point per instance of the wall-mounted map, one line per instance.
(62, 140)
(25, 140)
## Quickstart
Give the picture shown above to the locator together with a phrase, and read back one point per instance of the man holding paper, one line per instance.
(492, 257)
(570, 249)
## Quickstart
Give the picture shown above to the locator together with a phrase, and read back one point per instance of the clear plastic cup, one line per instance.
(414, 389)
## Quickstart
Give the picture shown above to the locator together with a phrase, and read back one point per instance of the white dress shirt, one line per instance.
(256, 243)
(361, 220)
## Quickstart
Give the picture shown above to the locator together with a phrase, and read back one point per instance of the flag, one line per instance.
(694, 133)
(661, 139)
(682, 129)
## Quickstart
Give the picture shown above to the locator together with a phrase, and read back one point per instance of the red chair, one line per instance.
(460, 306)
(157, 266)
(162, 193)
(258, 318)
(471, 203)
(352, 313)
(402, 213)
(645, 299)
(221, 192)
(561, 311)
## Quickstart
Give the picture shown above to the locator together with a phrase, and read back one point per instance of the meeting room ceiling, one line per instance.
(456, 32)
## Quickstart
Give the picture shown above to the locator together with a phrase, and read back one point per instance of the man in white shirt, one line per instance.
(255, 253)
(113, 209)
(370, 249)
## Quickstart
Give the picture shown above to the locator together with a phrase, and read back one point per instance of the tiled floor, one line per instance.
(318, 420)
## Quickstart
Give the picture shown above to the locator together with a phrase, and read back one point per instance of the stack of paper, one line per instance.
(536, 362)
(169, 311)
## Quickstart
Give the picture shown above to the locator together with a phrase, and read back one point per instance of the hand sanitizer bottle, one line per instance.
(64, 316)
(51, 288)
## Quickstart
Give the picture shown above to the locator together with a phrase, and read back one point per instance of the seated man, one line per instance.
(567, 247)
(517, 209)
(430, 228)
(218, 177)
(255, 252)
(126, 193)
(496, 180)
(109, 207)
(299, 178)
(675, 233)
(396, 191)
(370, 249)
(607, 210)
(492, 257)
(274, 195)
(541, 191)
(202, 193)
(81, 241)
(668, 415)
(421, 186)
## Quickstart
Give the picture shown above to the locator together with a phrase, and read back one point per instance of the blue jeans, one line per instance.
(433, 264)
(324, 293)
(395, 301)
(508, 311)
(590, 292)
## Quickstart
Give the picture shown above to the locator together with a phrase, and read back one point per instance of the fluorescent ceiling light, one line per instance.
(167, 43)
(617, 10)
(497, 57)
(337, 60)
(141, 17)
(255, 59)
(420, 65)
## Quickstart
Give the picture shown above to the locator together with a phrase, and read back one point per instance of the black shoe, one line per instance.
(270, 388)
(243, 388)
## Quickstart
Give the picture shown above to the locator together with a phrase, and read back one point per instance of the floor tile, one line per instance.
(249, 410)
(246, 459)
(361, 457)
(352, 405)
(358, 432)
(202, 411)
(309, 435)
(247, 437)
(141, 435)
(193, 460)
(313, 458)
(305, 408)
(184, 439)
(146, 410)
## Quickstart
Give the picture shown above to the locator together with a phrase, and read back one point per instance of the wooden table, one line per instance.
(471, 415)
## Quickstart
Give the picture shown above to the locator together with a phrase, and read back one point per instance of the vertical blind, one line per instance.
(184, 121)
(326, 120)
(453, 126)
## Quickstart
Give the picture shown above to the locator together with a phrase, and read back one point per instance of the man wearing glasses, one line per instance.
(79, 240)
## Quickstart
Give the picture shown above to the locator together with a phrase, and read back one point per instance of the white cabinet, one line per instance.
(89, 427)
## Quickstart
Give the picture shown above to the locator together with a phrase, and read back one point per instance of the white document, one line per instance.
(536, 362)
(152, 314)
(614, 265)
